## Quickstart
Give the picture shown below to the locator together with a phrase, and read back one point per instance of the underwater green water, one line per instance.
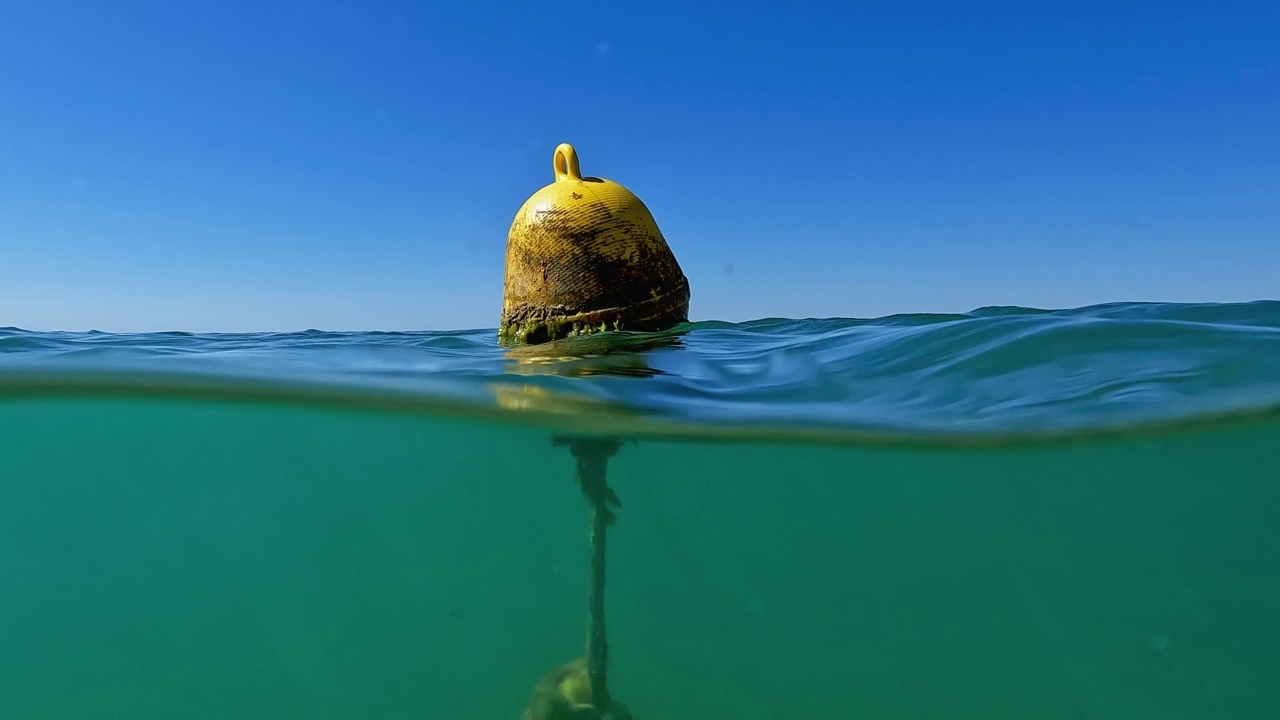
(194, 558)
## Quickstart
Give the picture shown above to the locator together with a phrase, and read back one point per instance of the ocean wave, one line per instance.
(1003, 371)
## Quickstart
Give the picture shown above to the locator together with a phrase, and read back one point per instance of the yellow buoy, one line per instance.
(585, 255)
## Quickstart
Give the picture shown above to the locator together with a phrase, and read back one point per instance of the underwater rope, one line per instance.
(592, 458)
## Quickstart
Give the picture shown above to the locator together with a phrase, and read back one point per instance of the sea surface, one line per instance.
(1009, 513)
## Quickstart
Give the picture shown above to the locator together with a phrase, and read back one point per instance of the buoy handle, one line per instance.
(566, 163)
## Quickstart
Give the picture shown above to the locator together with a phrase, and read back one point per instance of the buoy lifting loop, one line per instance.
(566, 163)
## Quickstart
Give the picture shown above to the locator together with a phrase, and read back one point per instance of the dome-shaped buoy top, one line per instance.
(585, 255)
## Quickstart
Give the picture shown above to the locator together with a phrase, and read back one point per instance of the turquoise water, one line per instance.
(1005, 514)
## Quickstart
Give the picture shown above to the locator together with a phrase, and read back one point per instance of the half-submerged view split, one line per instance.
(602, 510)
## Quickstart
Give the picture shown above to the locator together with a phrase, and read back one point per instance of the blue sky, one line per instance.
(236, 166)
